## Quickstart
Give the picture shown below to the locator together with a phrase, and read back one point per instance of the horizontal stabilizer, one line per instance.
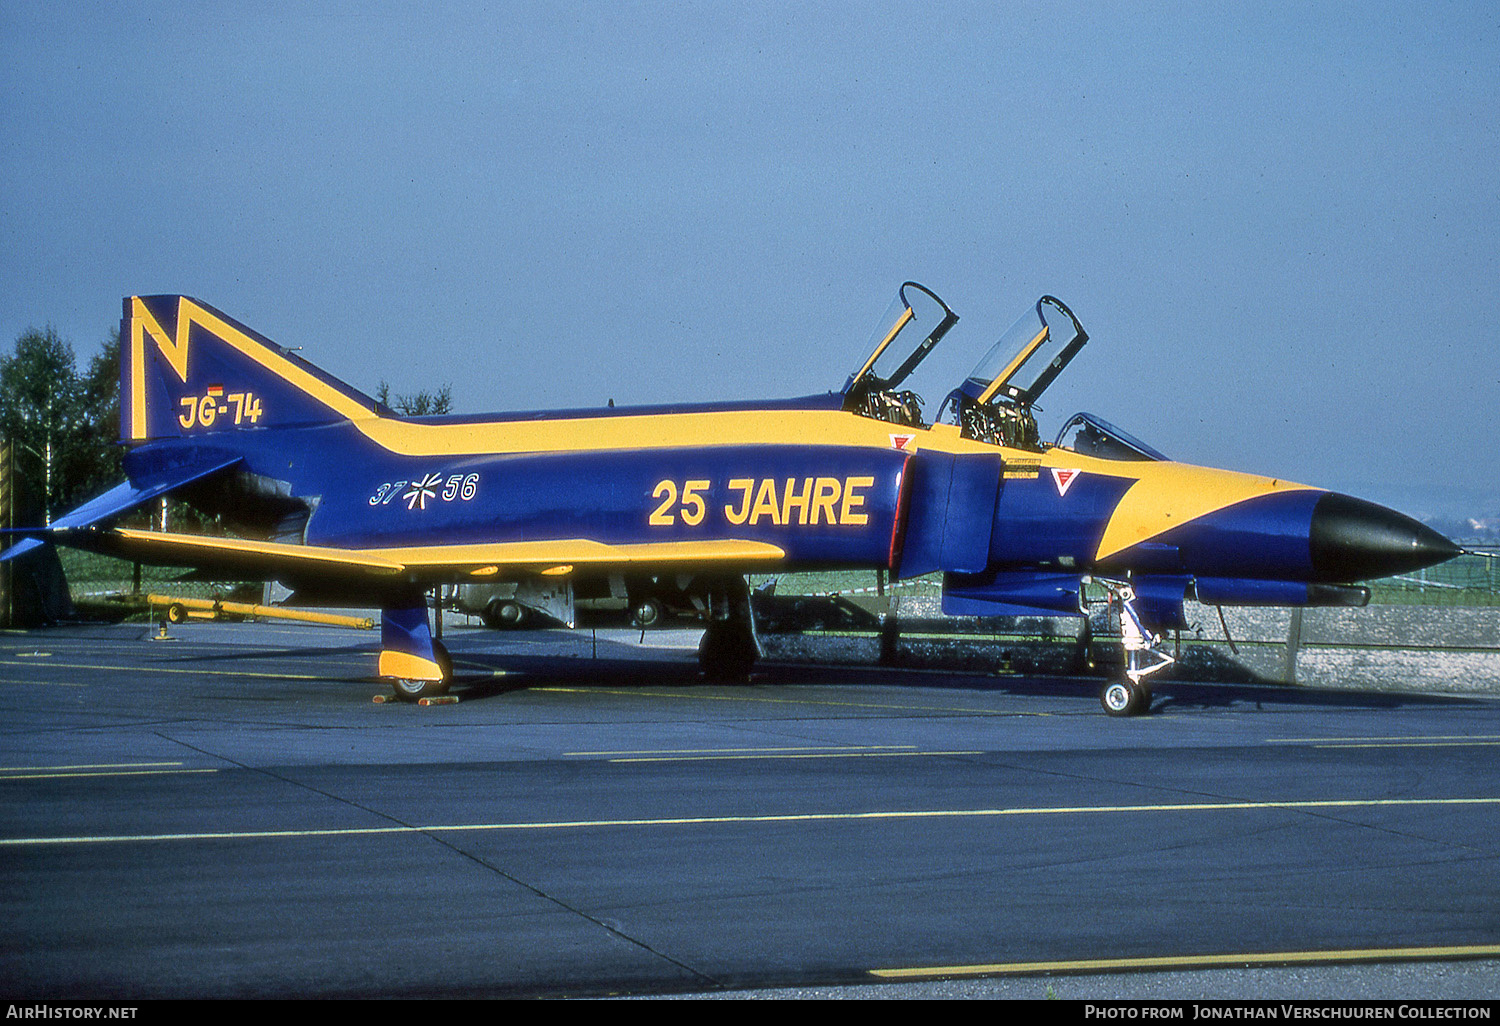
(122, 498)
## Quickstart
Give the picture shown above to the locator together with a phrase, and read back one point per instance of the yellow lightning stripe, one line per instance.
(1168, 495)
(175, 351)
(583, 550)
(188, 546)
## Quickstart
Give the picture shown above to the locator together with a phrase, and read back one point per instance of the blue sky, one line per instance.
(1277, 222)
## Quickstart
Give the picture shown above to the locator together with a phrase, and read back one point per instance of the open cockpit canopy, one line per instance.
(913, 324)
(1020, 366)
(993, 404)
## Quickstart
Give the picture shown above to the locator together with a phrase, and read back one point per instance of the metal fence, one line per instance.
(1468, 580)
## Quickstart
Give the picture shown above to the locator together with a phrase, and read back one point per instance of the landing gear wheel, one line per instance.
(504, 614)
(645, 613)
(411, 690)
(1125, 698)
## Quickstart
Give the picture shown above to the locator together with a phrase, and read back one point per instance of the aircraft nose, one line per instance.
(1355, 540)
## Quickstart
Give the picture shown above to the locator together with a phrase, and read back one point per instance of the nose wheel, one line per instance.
(1125, 698)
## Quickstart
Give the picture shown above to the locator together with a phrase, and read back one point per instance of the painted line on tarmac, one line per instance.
(1435, 741)
(102, 769)
(1413, 744)
(751, 750)
(808, 817)
(103, 773)
(154, 668)
(788, 755)
(44, 683)
(87, 766)
(1247, 959)
(697, 694)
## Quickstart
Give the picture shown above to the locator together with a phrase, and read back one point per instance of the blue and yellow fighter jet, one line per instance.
(336, 495)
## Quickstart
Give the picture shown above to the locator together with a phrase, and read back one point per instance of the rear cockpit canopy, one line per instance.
(994, 404)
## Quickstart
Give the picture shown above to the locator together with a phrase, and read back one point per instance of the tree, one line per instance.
(44, 413)
(422, 404)
(101, 396)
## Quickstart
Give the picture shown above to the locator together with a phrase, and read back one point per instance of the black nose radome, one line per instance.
(1355, 540)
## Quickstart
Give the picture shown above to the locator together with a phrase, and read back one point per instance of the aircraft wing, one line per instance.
(425, 563)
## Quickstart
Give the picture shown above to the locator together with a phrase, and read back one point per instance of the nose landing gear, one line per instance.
(1131, 696)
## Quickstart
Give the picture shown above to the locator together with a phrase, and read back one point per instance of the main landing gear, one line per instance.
(730, 645)
(416, 664)
(1131, 695)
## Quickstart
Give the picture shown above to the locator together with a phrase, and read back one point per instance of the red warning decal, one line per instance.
(1064, 479)
(904, 443)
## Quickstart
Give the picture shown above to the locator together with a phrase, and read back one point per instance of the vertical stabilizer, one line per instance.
(187, 370)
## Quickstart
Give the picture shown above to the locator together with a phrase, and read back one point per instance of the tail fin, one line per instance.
(188, 370)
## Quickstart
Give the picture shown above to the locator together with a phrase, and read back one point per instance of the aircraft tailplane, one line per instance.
(188, 370)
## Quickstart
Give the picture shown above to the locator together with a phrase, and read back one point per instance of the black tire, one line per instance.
(177, 613)
(1124, 698)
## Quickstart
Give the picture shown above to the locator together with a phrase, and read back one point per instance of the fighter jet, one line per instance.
(333, 494)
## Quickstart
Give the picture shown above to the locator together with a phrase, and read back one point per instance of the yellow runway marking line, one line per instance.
(1414, 744)
(1258, 958)
(804, 817)
(88, 766)
(785, 755)
(751, 750)
(44, 683)
(102, 773)
(154, 668)
(1404, 737)
(1435, 741)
